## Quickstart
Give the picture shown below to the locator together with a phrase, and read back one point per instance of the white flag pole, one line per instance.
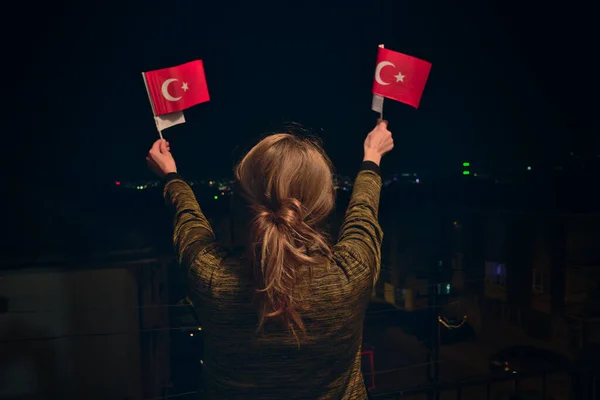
(377, 103)
(381, 109)
(151, 105)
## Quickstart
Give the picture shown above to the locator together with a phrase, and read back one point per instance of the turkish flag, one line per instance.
(177, 88)
(400, 77)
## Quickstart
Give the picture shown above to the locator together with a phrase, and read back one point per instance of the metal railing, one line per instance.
(583, 385)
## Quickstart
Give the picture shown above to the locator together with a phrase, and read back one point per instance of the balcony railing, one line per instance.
(584, 384)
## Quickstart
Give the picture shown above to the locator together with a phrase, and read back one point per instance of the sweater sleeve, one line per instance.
(193, 237)
(359, 242)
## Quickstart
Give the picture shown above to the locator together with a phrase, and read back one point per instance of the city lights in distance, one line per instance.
(466, 168)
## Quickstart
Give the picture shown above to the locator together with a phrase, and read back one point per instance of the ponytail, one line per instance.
(285, 248)
(287, 185)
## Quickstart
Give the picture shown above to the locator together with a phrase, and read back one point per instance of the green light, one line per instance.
(466, 172)
(216, 197)
(466, 164)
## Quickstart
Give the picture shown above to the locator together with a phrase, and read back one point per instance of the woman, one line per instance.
(286, 321)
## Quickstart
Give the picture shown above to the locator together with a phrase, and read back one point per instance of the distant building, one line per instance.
(90, 330)
(542, 273)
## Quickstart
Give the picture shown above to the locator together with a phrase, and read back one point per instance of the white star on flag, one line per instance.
(400, 77)
(167, 107)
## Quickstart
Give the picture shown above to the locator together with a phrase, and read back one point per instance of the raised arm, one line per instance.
(192, 233)
(193, 237)
(359, 241)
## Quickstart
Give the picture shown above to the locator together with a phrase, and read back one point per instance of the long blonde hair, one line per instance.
(287, 183)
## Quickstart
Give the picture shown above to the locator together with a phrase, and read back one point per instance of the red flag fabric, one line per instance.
(400, 77)
(177, 88)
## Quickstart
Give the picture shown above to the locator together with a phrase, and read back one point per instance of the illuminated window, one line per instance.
(495, 273)
(444, 289)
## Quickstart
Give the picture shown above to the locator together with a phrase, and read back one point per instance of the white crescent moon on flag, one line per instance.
(165, 90)
(378, 72)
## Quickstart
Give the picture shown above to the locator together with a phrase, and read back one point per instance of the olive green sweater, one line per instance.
(241, 363)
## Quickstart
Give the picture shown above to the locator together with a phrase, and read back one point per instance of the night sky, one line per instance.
(508, 86)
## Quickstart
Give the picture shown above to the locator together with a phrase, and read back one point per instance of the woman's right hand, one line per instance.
(378, 142)
(160, 160)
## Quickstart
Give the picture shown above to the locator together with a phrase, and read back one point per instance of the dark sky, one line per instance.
(509, 85)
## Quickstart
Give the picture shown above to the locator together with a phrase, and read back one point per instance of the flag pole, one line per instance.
(152, 105)
(381, 46)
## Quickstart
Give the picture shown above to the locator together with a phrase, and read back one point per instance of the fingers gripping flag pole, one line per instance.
(377, 103)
